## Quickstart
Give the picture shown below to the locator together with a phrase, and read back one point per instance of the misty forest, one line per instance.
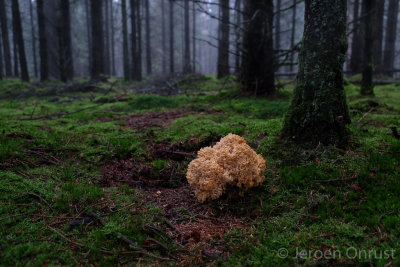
(199, 132)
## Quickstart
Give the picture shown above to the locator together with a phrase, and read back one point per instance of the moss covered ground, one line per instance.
(96, 176)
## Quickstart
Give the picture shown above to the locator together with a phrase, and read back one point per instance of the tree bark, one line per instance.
(186, 60)
(33, 39)
(163, 38)
(125, 49)
(238, 7)
(367, 86)
(194, 37)
(390, 40)
(378, 40)
(171, 37)
(113, 72)
(20, 40)
(257, 76)
(5, 38)
(293, 35)
(107, 61)
(1, 61)
(223, 42)
(89, 34)
(278, 25)
(97, 39)
(139, 39)
(149, 66)
(65, 47)
(318, 112)
(357, 42)
(44, 67)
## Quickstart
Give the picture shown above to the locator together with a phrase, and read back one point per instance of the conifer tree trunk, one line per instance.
(15, 52)
(44, 67)
(171, 37)
(278, 25)
(163, 38)
(97, 39)
(139, 39)
(378, 40)
(357, 42)
(390, 39)
(107, 61)
(113, 72)
(65, 47)
(223, 42)
(5, 38)
(238, 5)
(257, 76)
(293, 35)
(186, 59)
(149, 66)
(134, 64)
(125, 41)
(33, 39)
(20, 40)
(367, 86)
(194, 37)
(1, 61)
(318, 112)
(89, 34)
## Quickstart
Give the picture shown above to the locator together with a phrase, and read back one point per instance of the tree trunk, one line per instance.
(44, 67)
(113, 72)
(163, 38)
(390, 40)
(125, 41)
(20, 40)
(186, 60)
(5, 38)
(318, 112)
(278, 25)
(89, 34)
(367, 86)
(194, 37)
(148, 39)
(257, 74)
(378, 40)
(65, 47)
(357, 41)
(238, 33)
(33, 39)
(134, 41)
(293, 35)
(15, 52)
(139, 40)
(107, 61)
(1, 62)
(171, 37)
(97, 39)
(223, 42)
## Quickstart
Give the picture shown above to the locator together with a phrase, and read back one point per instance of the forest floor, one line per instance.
(95, 175)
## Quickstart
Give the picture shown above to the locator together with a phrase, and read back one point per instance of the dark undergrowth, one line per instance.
(97, 176)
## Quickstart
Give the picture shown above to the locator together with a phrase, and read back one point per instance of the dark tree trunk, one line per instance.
(390, 39)
(223, 42)
(163, 38)
(148, 39)
(113, 73)
(97, 39)
(367, 86)
(44, 67)
(65, 47)
(89, 34)
(357, 41)
(194, 37)
(33, 39)
(378, 40)
(278, 25)
(1, 61)
(238, 7)
(171, 37)
(5, 38)
(107, 61)
(186, 60)
(139, 39)
(20, 40)
(318, 113)
(15, 52)
(293, 35)
(257, 75)
(134, 41)
(125, 41)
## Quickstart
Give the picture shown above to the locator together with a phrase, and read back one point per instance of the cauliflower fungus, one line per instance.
(230, 162)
